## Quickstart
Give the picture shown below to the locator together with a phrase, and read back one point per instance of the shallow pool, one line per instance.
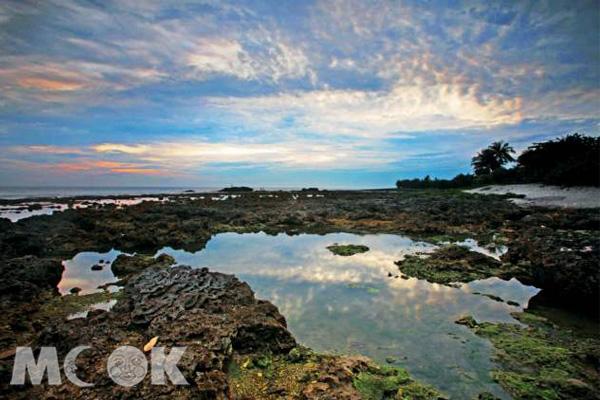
(355, 305)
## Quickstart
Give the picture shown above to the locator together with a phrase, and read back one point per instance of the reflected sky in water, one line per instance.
(351, 305)
(78, 272)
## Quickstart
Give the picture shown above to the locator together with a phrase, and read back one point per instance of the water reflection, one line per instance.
(78, 272)
(357, 304)
(103, 305)
(352, 305)
(31, 209)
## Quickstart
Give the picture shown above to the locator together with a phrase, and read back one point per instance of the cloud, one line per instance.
(193, 86)
(187, 154)
(45, 84)
(59, 150)
(275, 60)
(406, 108)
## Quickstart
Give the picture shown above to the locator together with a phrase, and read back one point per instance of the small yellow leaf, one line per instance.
(151, 344)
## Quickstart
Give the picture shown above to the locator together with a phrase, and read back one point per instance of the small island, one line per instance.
(234, 189)
(347, 249)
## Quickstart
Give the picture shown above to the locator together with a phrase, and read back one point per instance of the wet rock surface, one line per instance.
(213, 314)
(216, 315)
(540, 361)
(125, 265)
(25, 284)
(453, 263)
(347, 249)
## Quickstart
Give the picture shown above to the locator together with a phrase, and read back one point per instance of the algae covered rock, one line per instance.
(125, 264)
(418, 391)
(541, 361)
(321, 376)
(347, 249)
(452, 263)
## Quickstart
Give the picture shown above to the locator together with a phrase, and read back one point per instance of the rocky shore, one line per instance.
(239, 347)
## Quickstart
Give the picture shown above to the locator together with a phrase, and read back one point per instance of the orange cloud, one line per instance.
(143, 171)
(49, 84)
(101, 166)
(67, 167)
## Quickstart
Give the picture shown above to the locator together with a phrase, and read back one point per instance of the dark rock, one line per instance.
(125, 265)
(213, 314)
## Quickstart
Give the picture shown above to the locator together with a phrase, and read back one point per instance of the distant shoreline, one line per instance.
(14, 194)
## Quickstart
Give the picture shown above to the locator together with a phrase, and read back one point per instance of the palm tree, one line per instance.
(491, 158)
(502, 152)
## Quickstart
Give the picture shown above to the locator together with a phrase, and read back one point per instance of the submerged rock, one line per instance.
(541, 361)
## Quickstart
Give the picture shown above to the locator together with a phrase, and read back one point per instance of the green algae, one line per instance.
(347, 249)
(453, 263)
(62, 306)
(380, 384)
(302, 374)
(539, 360)
(368, 289)
(418, 391)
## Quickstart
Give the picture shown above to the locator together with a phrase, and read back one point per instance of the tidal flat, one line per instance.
(300, 320)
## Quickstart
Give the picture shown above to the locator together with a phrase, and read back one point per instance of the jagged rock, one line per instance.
(213, 314)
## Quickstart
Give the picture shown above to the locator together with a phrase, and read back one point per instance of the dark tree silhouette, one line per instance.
(492, 158)
(570, 160)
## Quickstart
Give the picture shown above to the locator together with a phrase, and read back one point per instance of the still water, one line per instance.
(351, 305)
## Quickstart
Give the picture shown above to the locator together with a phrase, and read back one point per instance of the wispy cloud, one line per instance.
(204, 85)
(406, 108)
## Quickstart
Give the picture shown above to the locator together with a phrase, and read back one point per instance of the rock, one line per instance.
(97, 267)
(125, 265)
(75, 290)
(348, 249)
(453, 263)
(390, 360)
(468, 321)
(213, 314)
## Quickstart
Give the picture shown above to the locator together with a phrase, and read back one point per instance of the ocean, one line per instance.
(27, 192)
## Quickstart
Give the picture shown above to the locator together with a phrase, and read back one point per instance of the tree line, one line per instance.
(572, 160)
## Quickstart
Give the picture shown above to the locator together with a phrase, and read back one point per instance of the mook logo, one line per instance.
(126, 366)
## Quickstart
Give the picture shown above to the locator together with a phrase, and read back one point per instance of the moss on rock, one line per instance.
(303, 374)
(347, 249)
(541, 361)
(452, 263)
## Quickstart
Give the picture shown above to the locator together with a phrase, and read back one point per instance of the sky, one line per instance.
(285, 93)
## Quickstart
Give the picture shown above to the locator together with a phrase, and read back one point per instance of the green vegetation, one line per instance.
(418, 391)
(571, 160)
(368, 289)
(452, 263)
(347, 249)
(304, 374)
(380, 384)
(62, 306)
(459, 181)
(540, 361)
(567, 161)
(492, 158)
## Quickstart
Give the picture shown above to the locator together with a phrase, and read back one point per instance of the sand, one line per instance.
(547, 196)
